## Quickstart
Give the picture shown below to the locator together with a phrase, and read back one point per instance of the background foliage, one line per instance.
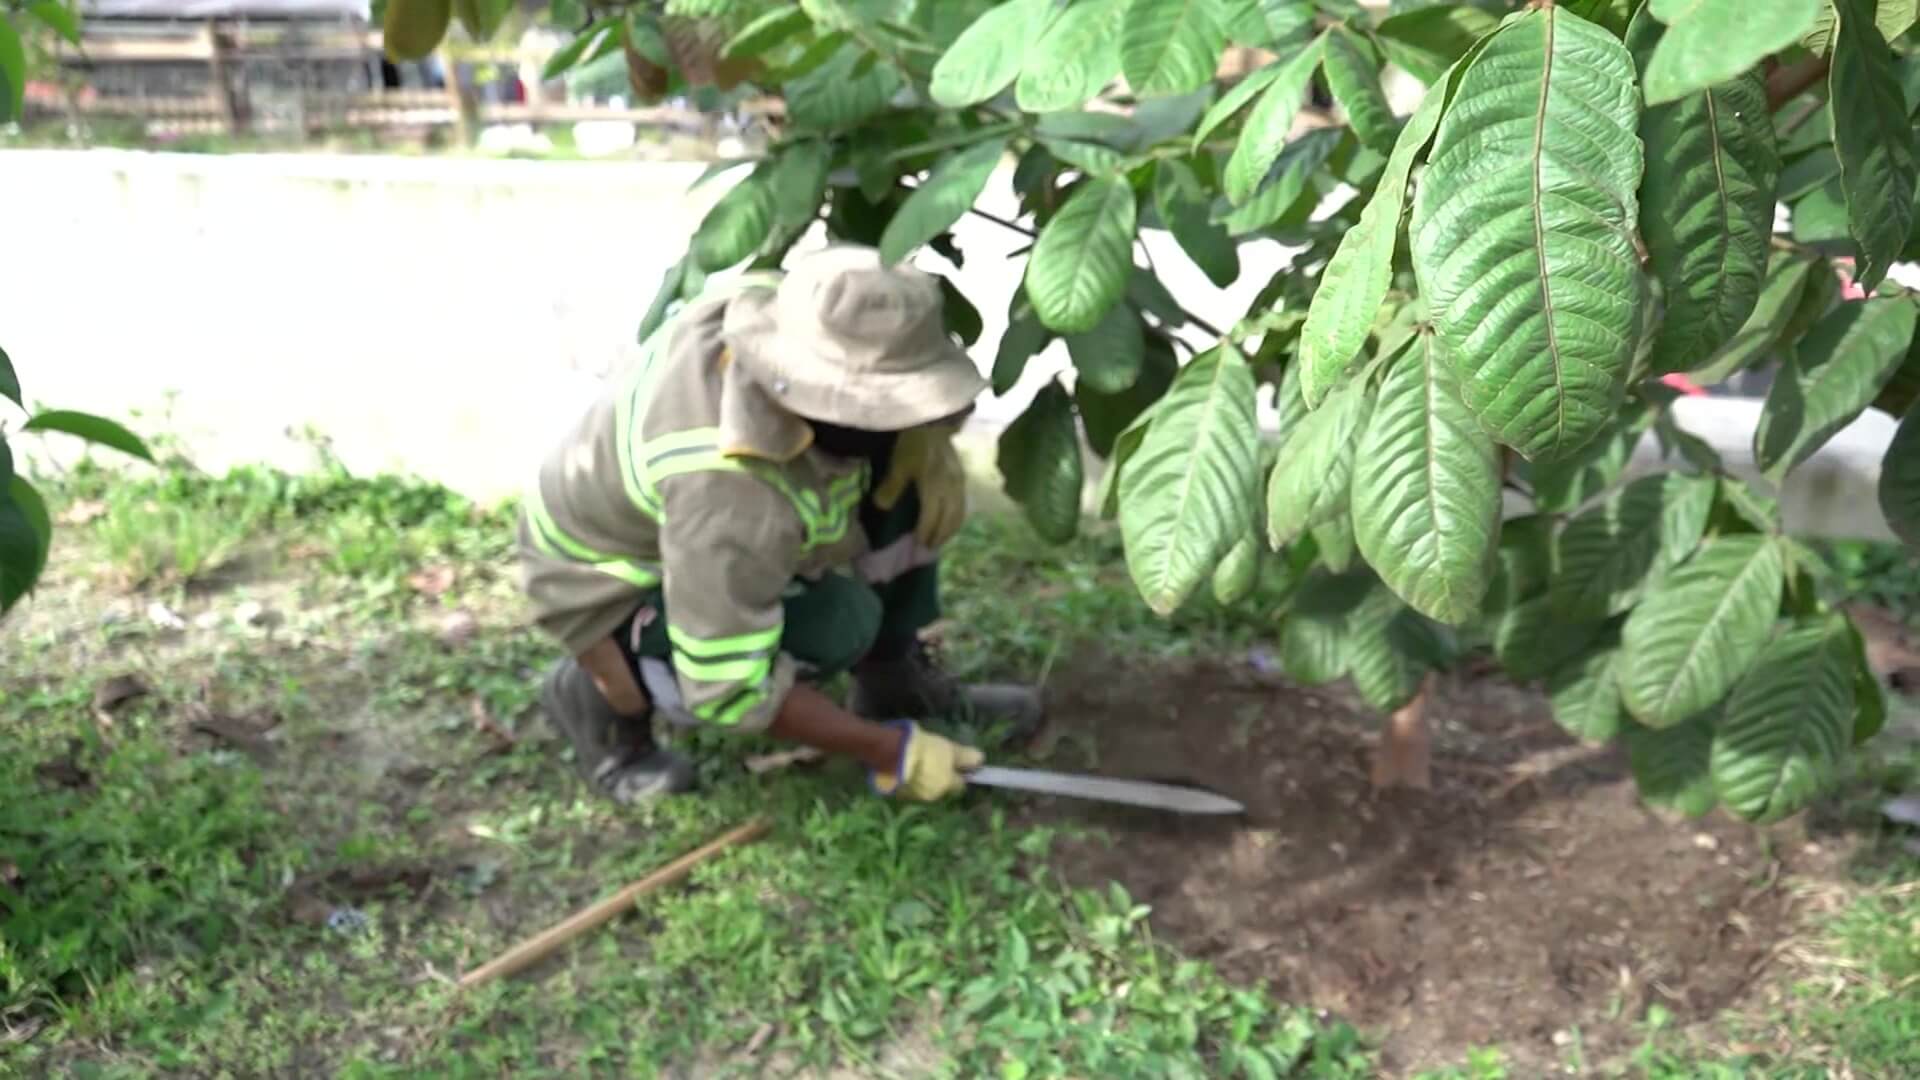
(1488, 295)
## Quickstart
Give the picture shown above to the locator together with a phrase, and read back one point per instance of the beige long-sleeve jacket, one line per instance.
(687, 476)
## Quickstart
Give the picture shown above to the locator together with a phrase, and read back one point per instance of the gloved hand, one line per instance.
(924, 457)
(930, 766)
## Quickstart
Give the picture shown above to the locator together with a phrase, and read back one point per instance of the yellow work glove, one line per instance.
(925, 457)
(931, 766)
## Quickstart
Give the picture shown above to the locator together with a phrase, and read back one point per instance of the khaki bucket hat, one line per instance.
(847, 340)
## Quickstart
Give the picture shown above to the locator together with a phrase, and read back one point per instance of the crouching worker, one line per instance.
(757, 506)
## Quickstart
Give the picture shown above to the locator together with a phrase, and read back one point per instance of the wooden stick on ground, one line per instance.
(543, 944)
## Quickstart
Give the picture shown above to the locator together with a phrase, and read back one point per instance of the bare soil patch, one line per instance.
(1528, 896)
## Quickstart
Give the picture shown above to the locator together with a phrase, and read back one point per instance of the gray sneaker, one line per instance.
(914, 687)
(615, 754)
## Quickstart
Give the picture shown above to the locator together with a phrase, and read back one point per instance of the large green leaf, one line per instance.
(1892, 17)
(1265, 133)
(772, 27)
(1287, 191)
(1040, 463)
(1311, 477)
(1235, 99)
(840, 93)
(19, 554)
(1565, 485)
(1830, 380)
(948, 193)
(1238, 572)
(1384, 667)
(1711, 41)
(1586, 694)
(1687, 644)
(1427, 40)
(1170, 46)
(1333, 539)
(1869, 697)
(1024, 337)
(1182, 205)
(94, 429)
(1108, 356)
(1533, 171)
(1533, 641)
(1900, 481)
(1783, 732)
(1356, 279)
(13, 74)
(1872, 135)
(1105, 416)
(1607, 557)
(736, 226)
(1673, 766)
(989, 54)
(9, 382)
(1187, 494)
(1080, 263)
(1355, 83)
(1426, 489)
(1314, 631)
(1706, 208)
(1780, 297)
(1523, 562)
(799, 182)
(1079, 54)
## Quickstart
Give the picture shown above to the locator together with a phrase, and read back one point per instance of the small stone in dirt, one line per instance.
(347, 920)
(249, 613)
(457, 628)
(207, 620)
(431, 580)
(82, 511)
(165, 617)
(111, 693)
(1706, 841)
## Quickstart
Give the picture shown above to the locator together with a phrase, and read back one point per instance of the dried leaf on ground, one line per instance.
(432, 580)
(503, 740)
(82, 511)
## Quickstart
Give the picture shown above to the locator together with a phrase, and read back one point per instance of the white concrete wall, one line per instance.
(446, 317)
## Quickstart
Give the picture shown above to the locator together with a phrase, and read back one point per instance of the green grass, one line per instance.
(169, 914)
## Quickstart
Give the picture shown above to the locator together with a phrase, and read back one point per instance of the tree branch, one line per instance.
(1789, 81)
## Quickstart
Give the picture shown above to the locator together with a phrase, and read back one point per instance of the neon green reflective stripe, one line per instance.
(729, 713)
(690, 439)
(748, 671)
(756, 641)
(555, 542)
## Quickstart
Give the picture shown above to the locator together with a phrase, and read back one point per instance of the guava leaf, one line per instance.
(1425, 492)
(1105, 415)
(1609, 555)
(989, 53)
(1040, 464)
(1710, 41)
(1108, 356)
(1780, 738)
(1238, 572)
(1268, 126)
(1187, 494)
(1900, 481)
(949, 192)
(1170, 46)
(1688, 643)
(1355, 83)
(1077, 56)
(1830, 379)
(1706, 208)
(1080, 264)
(1534, 167)
(1873, 137)
(1315, 466)
(736, 226)
(1673, 766)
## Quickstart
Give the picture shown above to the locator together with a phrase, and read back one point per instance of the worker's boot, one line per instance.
(912, 686)
(616, 754)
